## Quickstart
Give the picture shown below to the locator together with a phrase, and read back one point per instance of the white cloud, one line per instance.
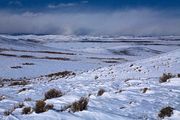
(135, 22)
(62, 5)
(85, 2)
(15, 2)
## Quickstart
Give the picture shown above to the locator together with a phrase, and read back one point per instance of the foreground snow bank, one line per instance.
(132, 92)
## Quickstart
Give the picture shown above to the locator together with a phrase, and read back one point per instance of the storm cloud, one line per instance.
(120, 22)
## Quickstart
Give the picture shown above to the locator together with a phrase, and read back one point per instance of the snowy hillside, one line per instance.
(130, 88)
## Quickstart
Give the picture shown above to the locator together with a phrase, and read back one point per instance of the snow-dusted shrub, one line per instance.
(9, 111)
(79, 105)
(19, 105)
(26, 110)
(40, 106)
(2, 98)
(100, 92)
(165, 77)
(53, 93)
(28, 99)
(166, 112)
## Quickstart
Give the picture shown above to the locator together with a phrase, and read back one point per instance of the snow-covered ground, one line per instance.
(127, 68)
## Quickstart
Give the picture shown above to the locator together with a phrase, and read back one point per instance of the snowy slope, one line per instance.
(123, 100)
(45, 53)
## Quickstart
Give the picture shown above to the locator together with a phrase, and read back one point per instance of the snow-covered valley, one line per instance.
(120, 76)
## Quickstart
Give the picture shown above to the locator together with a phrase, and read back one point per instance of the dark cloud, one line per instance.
(121, 22)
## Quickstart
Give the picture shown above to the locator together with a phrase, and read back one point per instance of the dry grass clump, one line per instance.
(41, 106)
(53, 93)
(79, 105)
(166, 112)
(101, 92)
(26, 110)
(165, 77)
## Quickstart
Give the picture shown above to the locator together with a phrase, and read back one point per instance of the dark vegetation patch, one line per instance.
(165, 77)
(98, 58)
(52, 93)
(28, 99)
(76, 106)
(41, 106)
(13, 82)
(166, 112)
(178, 75)
(100, 92)
(111, 61)
(23, 82)
(27, 56)
(8, 55)
(8, 112)
(116, 40)
(1, 83)
(55, 58)
(122, 107)
(26, 110)
(61, 74)
(16, 67)
(79, 105)
(144, 90)
(127, 80)
(32, 40)
(131, 65)
(52, 52)
(34, 57)
(119, 91)
(133, 51)
(23, 89)
(96, 77)
(123, 52)
(29, 51)
(28, 64)
(2, 97)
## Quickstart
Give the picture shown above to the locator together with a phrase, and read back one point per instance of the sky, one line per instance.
(96, 17)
